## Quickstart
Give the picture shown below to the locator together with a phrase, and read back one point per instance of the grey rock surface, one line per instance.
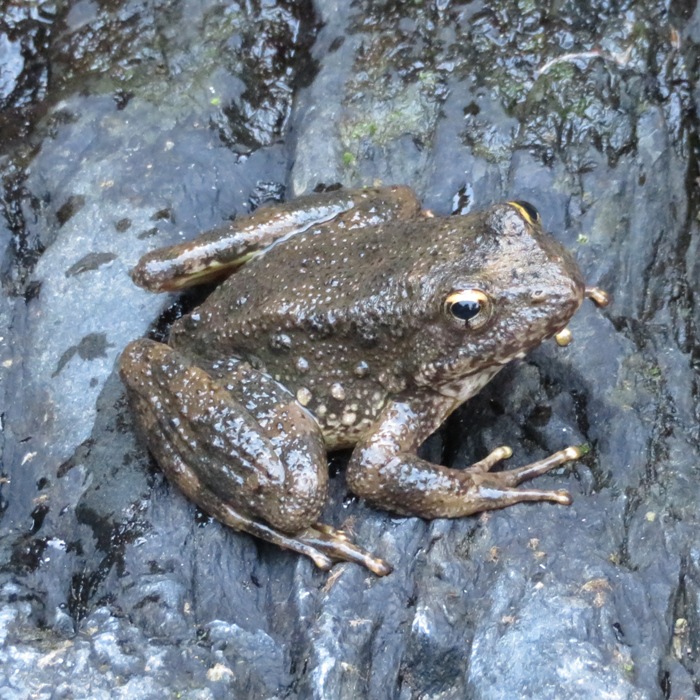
(129, 126)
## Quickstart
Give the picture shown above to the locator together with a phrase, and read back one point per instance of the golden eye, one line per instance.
(526, 210)
(470, 307)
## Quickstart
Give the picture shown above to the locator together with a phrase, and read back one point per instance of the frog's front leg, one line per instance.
(238, 445)
(385, 470)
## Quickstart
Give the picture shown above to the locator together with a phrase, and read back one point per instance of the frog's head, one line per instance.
(511, 287)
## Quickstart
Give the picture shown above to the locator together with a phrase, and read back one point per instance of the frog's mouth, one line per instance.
(599, 297)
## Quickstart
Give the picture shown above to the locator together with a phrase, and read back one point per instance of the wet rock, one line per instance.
(25, 32)
(164, 121)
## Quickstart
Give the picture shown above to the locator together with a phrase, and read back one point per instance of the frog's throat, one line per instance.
(465, 387)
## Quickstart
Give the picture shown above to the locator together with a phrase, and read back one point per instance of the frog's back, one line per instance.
(380, 291)
(340, 282)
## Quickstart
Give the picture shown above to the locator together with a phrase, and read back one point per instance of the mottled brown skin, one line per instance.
(339, 335)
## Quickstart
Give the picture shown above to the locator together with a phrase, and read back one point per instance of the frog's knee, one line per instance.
(299, 504)
(137, 357)
(129, 359)
(295, 514)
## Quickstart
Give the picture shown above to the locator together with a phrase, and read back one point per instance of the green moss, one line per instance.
(654, 372)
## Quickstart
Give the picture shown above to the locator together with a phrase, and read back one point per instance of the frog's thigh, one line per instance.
(385, 470)
(208, 442)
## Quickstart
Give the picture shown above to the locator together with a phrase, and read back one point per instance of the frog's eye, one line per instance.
(527, 211)
(470, 307)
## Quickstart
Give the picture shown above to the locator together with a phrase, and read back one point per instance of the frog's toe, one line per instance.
(336, 545)
(333, 532)
(491, 495)
(491, 460)
(514, 477)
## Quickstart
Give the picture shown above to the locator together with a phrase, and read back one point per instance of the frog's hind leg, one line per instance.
(218, 253)
(257, 463)
(323, 544)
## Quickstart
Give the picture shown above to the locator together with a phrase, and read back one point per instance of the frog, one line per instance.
(350, 319)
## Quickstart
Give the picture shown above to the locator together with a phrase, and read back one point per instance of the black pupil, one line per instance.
(531, 211)
(465, 310)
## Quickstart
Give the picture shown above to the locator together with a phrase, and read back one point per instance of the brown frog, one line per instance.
(355, 320)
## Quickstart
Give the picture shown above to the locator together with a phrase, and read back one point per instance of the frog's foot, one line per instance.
(513, 477)
(323, 544)
(500, 486)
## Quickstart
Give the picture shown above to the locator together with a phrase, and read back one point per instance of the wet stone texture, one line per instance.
(127, 126)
